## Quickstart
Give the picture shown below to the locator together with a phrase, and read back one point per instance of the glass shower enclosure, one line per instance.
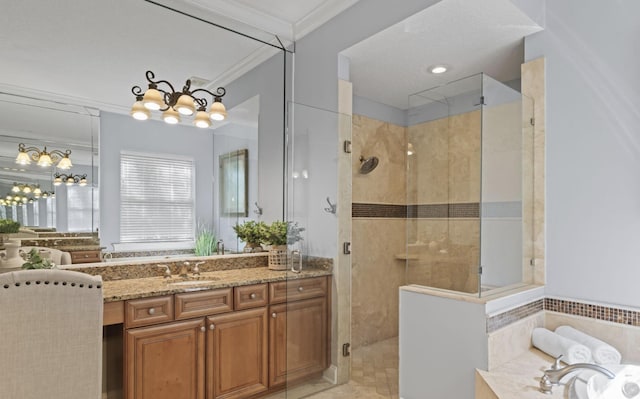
(469, 186)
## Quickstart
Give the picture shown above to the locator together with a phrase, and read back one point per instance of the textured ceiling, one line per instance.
(470, 36)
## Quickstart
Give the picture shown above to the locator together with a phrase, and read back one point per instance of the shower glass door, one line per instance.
(305, 326)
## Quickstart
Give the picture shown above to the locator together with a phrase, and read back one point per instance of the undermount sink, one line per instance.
(591, 385)
(191, 282)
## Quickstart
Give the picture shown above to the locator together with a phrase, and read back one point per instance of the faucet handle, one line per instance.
(196, 269)
(556, 364)
(167, 271)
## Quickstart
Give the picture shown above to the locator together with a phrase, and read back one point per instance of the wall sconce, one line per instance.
(174, 104)
(43, 158)
(69, 179)
(27, 189)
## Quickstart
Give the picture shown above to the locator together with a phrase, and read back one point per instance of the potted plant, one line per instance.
(252, 233)
(205, 242)
(279, 235)
(7, 226)
(34, 260)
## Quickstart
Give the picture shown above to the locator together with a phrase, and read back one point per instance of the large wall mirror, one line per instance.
(64, 90)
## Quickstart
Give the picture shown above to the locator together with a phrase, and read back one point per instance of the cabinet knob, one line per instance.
(151, 311)
(274, 315)
(212, 326)
(300, 289)
(252, 295)
(203, 329)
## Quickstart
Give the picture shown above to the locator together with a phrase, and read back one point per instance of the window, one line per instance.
(82, 206)
(156, 198)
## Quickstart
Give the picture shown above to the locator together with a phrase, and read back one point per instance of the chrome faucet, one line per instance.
(220, 246)
(553, 375)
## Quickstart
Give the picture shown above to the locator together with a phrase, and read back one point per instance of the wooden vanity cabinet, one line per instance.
(228, 343)
(91, 256)
(166, 361)
(298, 334)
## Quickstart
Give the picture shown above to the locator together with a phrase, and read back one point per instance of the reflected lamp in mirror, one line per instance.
(161, 96)
(234, 183)
(27, 188)
(43, 157)
(69, 179)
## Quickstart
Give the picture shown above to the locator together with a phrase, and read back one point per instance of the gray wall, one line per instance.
(593, 148)
(121, 132)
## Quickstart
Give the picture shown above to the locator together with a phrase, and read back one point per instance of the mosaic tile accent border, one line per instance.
(598, 312)
(511, 316)
(364, 210)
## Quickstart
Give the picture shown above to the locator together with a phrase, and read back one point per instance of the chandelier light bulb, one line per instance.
(23, 158)
(83, 182)
(139, 111)
(217, 112)
(37, 191)
(152, 99)
(26, 189)
(44, 160)
(70, 181)
(57, 181)
(185, 105)
(171, 116)
(15, 188)
(202, 119)
(65, 162)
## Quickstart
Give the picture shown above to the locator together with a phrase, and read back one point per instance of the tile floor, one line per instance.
(374, 375)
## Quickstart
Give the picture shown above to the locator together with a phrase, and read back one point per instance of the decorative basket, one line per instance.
(278, 259)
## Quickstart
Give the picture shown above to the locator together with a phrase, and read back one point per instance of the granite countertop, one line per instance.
(118, 290)
(520, 377)
(83, 247)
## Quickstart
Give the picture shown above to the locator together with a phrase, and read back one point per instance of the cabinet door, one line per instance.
(298, 340)
(237, 358)
(165, 361)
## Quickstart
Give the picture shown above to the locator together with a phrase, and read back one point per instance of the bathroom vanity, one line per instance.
(234, 333)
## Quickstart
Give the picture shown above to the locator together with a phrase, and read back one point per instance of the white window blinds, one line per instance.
(82, 203)
(156, 198)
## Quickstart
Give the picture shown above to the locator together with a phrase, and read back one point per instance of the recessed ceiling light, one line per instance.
(438, 69)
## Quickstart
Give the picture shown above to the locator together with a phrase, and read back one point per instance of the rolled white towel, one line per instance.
(602, 352)
(556, 345)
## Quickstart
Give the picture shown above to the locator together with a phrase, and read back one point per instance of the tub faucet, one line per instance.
(220, 250)
(553, 375)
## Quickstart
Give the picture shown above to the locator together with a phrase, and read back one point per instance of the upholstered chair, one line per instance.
(57, 256)
(50, 335)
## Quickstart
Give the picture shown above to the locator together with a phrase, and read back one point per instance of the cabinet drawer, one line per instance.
(85, 256)
(147, 311)
(250, 296)
(196, 304)
(294, 290)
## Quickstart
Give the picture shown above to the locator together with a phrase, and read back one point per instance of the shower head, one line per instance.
(368, 164)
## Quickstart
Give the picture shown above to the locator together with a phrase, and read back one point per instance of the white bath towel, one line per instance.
(602, 352)
(555, 345)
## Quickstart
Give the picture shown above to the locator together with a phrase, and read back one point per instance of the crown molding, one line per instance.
(327, 10)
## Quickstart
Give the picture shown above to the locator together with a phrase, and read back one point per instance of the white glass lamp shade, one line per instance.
(217, 112)
(65, 163)
(26, 189)
(23, 158)
(37, 191)
(15, 188)
(57, 181)
(140, 112)
(45, 195)
(185, 105)
(24, 199)
(202, 120)
(171, 116)
(44, 159)
(83, 182)
(69, 181)
(153, 100)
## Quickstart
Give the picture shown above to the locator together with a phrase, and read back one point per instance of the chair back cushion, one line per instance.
(50, 335)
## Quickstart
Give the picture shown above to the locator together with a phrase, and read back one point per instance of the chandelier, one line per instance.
(26, 189)
(44, 158)
(17, 199)
(69, 179)
(174, 103)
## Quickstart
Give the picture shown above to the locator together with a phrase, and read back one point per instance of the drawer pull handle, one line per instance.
(203, 329)
(212, 326)
(151, 311)
(300, 289)
(274, 315)
(252, 296)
